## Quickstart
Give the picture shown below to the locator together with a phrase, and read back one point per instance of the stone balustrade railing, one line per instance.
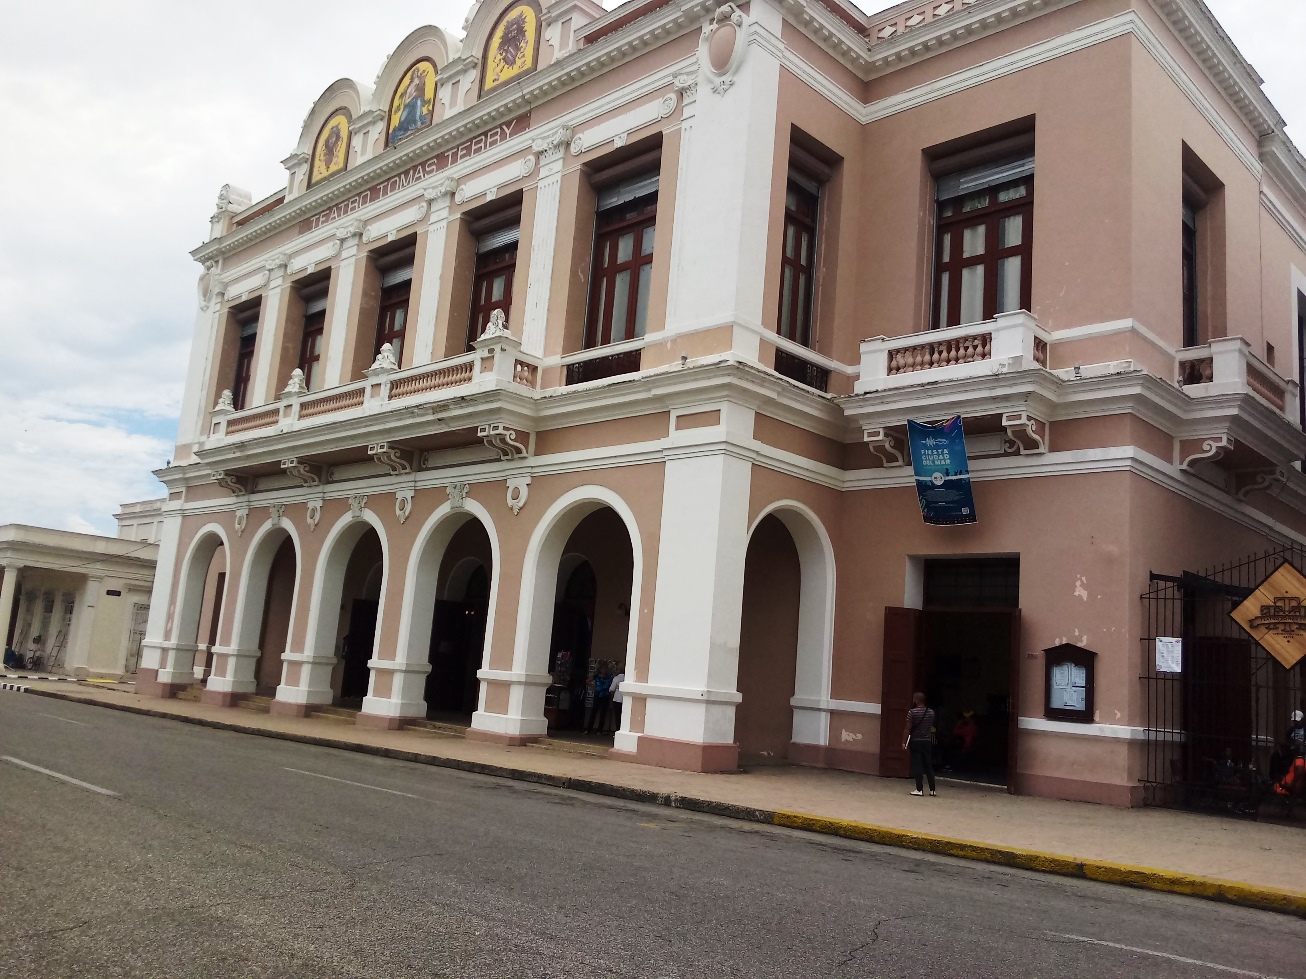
(1226, 365)
(1009, 341)
(497, 360)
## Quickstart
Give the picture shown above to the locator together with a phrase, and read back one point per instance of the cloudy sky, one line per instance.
(124, 120)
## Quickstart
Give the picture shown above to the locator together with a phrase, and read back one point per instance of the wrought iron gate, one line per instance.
(1214, 730)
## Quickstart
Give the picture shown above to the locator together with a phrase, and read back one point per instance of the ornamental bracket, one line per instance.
(1025, 434)
(392, 457)
(885, 446)
(306, 473)
(233, 484)
(503, 440)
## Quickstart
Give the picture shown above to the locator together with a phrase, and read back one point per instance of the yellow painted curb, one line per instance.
(1149, 878)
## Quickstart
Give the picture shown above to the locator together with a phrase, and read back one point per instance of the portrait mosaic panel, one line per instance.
(513, 47)
(331, 148)
(413, 105)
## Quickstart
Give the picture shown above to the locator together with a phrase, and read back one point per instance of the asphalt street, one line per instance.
(184, 851)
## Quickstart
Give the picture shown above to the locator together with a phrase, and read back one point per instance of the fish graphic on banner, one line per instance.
(938, 457)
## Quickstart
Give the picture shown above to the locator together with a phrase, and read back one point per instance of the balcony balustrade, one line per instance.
(496, 362)
(1008, 342)
(1227, 365)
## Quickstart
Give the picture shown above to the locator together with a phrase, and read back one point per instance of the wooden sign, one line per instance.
(1275, 617)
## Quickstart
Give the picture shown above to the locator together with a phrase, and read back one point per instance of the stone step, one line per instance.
(348, 713)
(260, 705)
(575, 747)
(191, 694)
(436, 727)
(341, 719)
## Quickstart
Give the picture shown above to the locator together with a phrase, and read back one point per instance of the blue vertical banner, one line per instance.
(938, 457)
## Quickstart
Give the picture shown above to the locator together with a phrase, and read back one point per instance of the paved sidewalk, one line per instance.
(1258, 854)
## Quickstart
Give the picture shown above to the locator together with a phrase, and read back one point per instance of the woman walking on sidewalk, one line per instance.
(918, 738)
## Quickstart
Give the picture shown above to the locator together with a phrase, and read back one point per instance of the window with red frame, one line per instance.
(798, 259)
(392, 320)
(623, 269)
(240, 385)
(310, 347)
(983, 245)
(496, 261)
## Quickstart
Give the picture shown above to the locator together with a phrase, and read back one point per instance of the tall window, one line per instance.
(798, 258)
(496, 261)
(392, 319)
(310, 347)
(241, 383)
(983, 240)
(624, 231)
(1189, 252)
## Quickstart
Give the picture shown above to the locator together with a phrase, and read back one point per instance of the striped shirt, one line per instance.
(921, 722)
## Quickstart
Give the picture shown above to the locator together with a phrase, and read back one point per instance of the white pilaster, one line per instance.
(698, 605)
(350, 236)
(83, 625)
(269, 317)
(727, 148)
(240, 667)
(437, 230)
(7, 587)
(194, 422)
(544, 235)
(156, 626)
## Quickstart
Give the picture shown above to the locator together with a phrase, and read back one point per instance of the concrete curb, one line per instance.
(1147, 878)
(17, 687)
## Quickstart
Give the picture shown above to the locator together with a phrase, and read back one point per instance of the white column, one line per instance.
(7, 587)
(269, 317)
(350, 235)
(544, 236)
(698, 601)
(161, 598)
(724, 192)
(83, 627)
(194, 423)
(428, 302)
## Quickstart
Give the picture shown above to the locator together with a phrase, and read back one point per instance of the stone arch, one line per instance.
(421, 582)
(529, 678)
(195, 569)
(459, 576)
(328, 581)
(816, 603)
(343, 93)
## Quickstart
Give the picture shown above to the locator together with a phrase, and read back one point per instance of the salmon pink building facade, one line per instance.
(586, 344)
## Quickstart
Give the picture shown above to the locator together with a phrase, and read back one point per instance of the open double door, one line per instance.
(921, 652)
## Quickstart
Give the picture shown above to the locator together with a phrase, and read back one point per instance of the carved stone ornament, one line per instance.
(350, 229)
(687, 85)
(307, 473)
(277, 262)
(518, 491)
(233, 484)
(357, 503)
(295, 386)
(551, 145)
(457, 496)
(1267, 480)
(503, 440)
(276, 511)
(392, 457)
(242, 519)
(314, 514)
(885, 446)
(403, 504)
(385, 359)
(440, 193)
(1026, 435)
(496, 327)
(1211, 448)
(721, 47)
(225, 404)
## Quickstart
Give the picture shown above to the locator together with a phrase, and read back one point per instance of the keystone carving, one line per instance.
(403, 504)
(503, 440)
(885, 446)
(357, 503)
(314, 514)
(457, 496)
(1026, 435)
(233, 484)
(276, 511)
(306, 473)
(393, 458)
(518, 491)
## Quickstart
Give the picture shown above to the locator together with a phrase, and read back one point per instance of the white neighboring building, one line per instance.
(142, 521)
(79, 600)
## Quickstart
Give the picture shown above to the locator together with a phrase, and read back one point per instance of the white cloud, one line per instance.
(123, 121)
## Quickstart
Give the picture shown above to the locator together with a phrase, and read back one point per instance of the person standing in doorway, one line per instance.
(617, 699)
(918, 738)
(602, 699)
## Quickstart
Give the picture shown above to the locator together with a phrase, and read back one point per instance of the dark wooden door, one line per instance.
(1013, 702)
(358, 649)
(901, 678)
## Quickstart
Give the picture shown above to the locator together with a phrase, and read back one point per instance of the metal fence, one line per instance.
(1215, 730)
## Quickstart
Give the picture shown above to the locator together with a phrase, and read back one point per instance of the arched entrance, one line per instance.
(264, 608)
(589, 639)
(786, 636)
(360, 607)
(458, 622)
(768, 645)
(199, 605)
